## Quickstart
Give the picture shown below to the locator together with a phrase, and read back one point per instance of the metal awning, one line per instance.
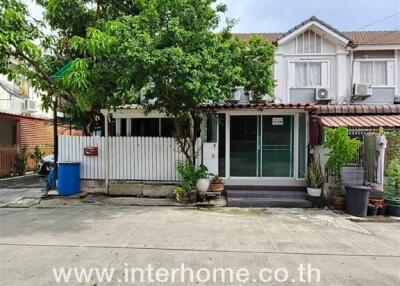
(365, 121)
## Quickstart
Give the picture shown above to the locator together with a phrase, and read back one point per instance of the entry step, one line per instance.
(268, 202)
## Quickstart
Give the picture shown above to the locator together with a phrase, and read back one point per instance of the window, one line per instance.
(373, 72)
(309, 43)
(308, 74)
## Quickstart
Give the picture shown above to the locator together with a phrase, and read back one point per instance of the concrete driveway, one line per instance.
(34, 241)
(14, 188)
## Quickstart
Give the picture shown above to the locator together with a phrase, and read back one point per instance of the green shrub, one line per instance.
(315, 178)
(20, 161)
(37, 154)
(342, 150)
(189, 174)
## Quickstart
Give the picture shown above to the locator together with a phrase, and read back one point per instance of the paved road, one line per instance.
(33, 241)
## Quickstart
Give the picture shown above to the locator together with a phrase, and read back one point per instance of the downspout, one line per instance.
(106, 154)
(351, 74)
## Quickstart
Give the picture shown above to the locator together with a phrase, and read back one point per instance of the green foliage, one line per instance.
(179, 192)
(167, 51)
(189, 174)
(315, 177)
(393, 173)
(20, 161)
(342, 150)
(37, 154)
(393, 145)
(216, 180)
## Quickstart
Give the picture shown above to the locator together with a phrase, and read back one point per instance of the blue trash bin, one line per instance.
(68, 178)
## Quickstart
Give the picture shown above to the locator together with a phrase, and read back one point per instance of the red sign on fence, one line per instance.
(90, 151)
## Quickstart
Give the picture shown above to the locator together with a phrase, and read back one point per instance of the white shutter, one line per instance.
(356, 72)
(325, 75)
(390, 73)
(291, 74)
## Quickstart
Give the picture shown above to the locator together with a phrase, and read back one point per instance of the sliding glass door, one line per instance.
(277, 146)
(244, 146)
(261, 146)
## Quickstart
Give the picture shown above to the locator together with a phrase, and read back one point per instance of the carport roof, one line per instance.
(365, 121)
(259, 106)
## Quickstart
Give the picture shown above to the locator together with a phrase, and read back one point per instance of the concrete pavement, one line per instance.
(33, 241)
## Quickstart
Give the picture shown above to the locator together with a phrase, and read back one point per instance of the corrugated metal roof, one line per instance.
(359, 109)
(228, 105)
(361, 121)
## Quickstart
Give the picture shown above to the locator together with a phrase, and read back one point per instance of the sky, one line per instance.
(281, 15)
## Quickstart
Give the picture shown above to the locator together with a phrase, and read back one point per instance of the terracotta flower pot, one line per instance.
(337, 202)
(216, 187)
(376, 202)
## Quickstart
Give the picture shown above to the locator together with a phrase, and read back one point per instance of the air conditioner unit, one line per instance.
(362, 91)
(30, 105)
(237, 93)
(322, 94)
(397, 99)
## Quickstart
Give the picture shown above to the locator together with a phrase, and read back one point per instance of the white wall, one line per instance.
(16, 104)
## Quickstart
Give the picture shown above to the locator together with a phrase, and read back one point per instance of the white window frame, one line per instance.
(386, 60)
(308, 74)
(309, 40)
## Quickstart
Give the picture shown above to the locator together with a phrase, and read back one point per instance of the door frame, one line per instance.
(295, 113)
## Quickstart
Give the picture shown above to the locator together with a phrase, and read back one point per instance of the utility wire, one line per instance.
(378, 21)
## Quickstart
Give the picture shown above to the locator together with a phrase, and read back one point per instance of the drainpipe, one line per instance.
(351, 74)
(106, 154)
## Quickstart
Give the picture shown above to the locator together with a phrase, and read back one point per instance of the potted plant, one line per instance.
(376, 198)
(392, 195)
(187, 192)
(216, 185)
(202, 176)
(315, 179)
(184, 196)
(342, 150)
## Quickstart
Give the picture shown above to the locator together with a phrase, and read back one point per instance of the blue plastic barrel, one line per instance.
(68, 178)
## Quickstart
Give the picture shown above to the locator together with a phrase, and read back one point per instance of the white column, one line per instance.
(281, 85)
(106, 152)
(342, 91)
(118, 127)
(227, 145)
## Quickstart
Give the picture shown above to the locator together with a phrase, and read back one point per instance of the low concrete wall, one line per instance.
(130, 188)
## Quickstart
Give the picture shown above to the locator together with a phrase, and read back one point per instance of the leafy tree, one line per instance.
(170, 56)
(163, 51)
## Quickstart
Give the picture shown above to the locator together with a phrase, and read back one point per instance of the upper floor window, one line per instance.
(374, 72)
(307, 74)
(309, 43)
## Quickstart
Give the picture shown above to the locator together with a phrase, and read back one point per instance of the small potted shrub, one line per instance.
(216, 185)
(342, 150)
(376, 198)
(203, 181)
(393, 193)
(185, 196)
(315, 179)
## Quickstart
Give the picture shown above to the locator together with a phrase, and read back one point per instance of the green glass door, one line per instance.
(261, 146)
(277, 146)
(244, 146)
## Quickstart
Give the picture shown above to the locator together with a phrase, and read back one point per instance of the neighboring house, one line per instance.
(254, 146)
(23, 123)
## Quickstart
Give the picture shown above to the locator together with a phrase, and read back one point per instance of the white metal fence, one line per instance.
(130, 158)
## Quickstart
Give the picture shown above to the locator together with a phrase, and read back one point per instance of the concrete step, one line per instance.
(268, 202)
(265, 194)
(264, 188)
